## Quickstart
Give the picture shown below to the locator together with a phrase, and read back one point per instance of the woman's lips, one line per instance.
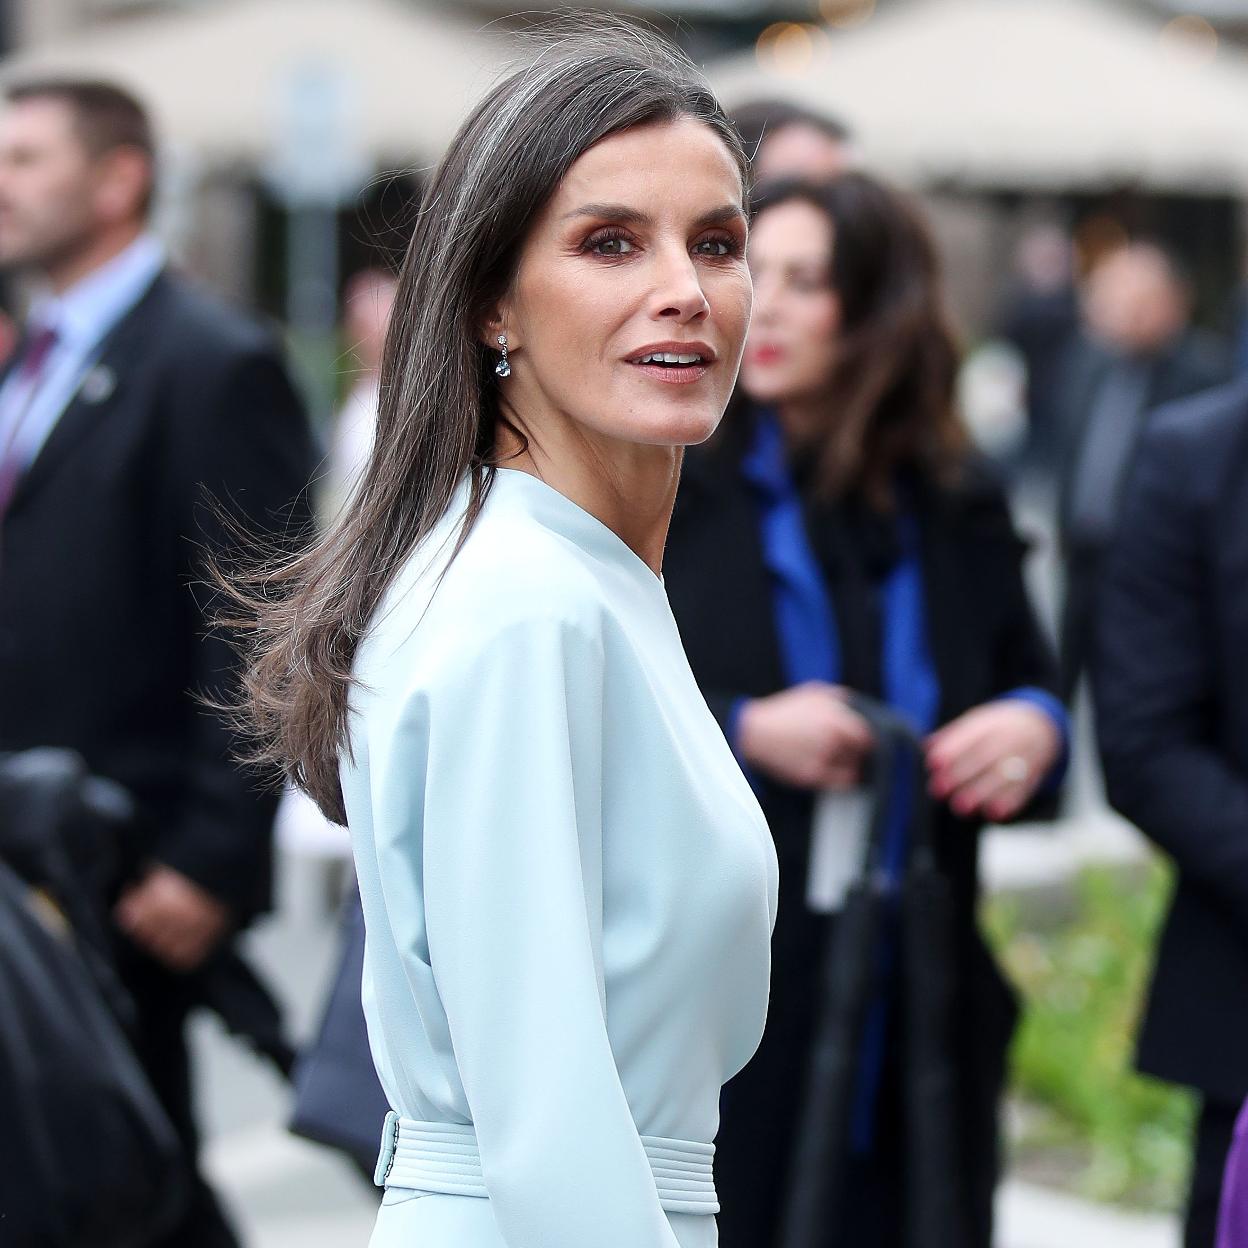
(766, 354)
(674, 374)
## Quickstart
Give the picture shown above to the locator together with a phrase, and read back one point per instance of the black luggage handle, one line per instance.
(894, 734)
(848, 985)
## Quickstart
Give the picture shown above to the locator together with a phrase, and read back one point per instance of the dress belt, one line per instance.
(443, 1157)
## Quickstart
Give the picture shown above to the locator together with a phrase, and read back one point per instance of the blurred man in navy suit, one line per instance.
(1171, 691)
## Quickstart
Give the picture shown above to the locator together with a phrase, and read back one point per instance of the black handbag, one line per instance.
(913, 925)
(338, 1097)
(88, 1158)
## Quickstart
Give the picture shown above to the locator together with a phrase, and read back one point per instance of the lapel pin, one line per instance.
(99, 384)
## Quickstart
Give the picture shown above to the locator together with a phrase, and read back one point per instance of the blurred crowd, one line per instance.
(842, 544)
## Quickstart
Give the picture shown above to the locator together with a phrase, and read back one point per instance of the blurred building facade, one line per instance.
(40, 21)
(231, 220)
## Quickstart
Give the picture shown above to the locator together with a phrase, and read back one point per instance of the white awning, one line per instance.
(1044, 94)
(216, 77)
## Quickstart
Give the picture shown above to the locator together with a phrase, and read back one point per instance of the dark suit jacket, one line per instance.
(103, 639)
(985, 641)
(1171, 683)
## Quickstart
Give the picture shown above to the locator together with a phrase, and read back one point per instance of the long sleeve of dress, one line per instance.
(510, 871)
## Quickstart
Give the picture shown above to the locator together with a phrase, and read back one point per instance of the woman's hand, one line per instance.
(991, 760)
(807, 736)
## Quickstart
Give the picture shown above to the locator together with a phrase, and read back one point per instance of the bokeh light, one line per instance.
(788, 47)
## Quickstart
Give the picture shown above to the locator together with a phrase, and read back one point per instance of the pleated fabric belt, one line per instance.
(443, 1157)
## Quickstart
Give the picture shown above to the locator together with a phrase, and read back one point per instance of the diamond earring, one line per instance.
(503, 368)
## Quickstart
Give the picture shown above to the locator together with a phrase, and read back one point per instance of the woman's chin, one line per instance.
(764, 391)
(701, 434)
(691, 430)
(686, 428)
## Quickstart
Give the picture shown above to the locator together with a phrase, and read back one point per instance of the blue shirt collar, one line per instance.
(84, 313)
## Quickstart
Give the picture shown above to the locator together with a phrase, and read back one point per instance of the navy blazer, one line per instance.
(1171, 682)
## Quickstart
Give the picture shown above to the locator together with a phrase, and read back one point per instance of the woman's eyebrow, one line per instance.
(634, 216)
(720, 216)
(611, 212)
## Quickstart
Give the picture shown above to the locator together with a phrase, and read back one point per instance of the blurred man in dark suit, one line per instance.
(1170, 682)
(1139, 351)
(130, 394)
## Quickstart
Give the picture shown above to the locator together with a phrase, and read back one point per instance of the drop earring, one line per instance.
(503, 367)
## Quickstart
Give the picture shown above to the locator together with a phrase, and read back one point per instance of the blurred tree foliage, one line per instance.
(1084, 1118)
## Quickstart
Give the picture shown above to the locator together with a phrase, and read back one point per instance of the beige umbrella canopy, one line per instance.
(227, 81)
(1053, 94)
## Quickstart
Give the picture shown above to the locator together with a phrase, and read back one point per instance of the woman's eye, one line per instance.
(715, 247)
(611, 246)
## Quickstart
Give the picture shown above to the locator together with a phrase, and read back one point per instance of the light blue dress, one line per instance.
(568, 888)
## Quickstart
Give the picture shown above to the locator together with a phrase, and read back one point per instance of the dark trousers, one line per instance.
(1214, 1133)
(163, 1000)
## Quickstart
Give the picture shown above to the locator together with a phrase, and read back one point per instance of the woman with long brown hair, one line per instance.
(567, 884)
(838, 536)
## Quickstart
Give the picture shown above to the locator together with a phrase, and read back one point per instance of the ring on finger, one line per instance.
(1014, 769)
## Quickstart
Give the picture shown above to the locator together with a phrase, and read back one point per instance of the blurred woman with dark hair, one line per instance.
(839, 536)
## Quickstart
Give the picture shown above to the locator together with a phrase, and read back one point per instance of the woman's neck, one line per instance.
(628, 487)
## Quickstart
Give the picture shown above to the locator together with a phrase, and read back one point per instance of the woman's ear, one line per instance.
(495, 322)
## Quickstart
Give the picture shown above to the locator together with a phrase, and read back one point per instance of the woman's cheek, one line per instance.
(819, 354)
(744, 292)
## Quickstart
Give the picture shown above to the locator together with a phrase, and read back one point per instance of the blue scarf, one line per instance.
(805, 617)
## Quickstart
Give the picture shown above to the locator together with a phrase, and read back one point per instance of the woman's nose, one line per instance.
(679, 294)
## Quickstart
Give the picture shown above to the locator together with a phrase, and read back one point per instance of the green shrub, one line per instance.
(1084, 1115)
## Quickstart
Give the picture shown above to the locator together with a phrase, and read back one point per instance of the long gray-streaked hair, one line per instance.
(302, 618)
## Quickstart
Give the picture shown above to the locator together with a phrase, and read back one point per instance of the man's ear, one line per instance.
(124, 180)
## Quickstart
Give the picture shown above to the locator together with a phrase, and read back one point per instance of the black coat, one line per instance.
(1171, 685)
(985, 640)
(103, 641)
